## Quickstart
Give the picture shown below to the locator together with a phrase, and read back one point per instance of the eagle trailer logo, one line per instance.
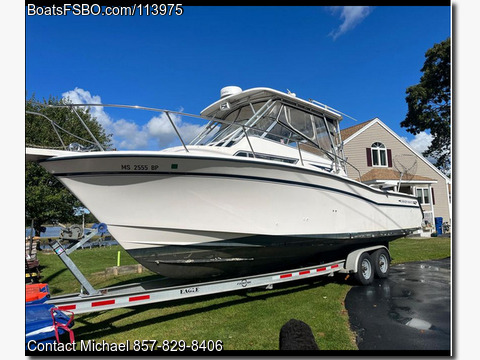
(189, 290)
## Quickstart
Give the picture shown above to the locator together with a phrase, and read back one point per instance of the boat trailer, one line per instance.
(363, 263)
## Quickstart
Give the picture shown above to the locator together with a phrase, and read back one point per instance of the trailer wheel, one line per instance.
(365, 270)
(381, 261)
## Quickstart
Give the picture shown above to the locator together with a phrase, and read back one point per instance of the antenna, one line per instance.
(330, 108)
(406, 165)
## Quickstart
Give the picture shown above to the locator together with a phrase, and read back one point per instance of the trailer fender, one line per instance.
(351, 264)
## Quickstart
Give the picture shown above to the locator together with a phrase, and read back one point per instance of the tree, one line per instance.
(429, 104)
(46, 199)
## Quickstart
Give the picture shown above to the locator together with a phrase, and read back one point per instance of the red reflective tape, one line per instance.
(285, 276)
(305, 272)
(68, 307)
(322, 269)
(138, 298)
(102, 303)
(334, 266)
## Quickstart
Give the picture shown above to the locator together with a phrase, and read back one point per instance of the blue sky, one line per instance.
(359, 60)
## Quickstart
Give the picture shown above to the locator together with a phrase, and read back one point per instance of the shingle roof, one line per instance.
(390, 174)
(346, 133)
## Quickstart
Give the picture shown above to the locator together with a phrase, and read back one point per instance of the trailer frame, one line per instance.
(164, 289)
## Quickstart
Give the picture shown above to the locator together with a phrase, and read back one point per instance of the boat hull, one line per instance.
(197, 216)
(254, 254)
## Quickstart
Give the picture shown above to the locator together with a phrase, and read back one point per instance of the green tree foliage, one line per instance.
(429, 104)
(46, 199)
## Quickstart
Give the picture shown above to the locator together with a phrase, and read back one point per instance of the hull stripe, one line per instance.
(242, 177)
(176, 157)
(246, 239)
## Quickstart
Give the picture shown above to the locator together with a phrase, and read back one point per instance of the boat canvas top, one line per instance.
(237, 96)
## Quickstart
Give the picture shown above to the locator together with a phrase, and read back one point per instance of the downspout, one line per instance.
(449, 205)
(431, 202)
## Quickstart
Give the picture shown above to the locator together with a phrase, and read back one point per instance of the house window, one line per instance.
(423, 196)
(379, 154)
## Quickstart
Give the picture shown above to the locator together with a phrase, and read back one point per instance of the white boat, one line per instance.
(262, 187)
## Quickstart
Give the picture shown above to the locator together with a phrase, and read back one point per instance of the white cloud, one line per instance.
(351, 17)
(160, 128)
(157, 133)
(128, 135)
(420, 142)
(80, 96)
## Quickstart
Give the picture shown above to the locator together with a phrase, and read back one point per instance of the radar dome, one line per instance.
(230, 90)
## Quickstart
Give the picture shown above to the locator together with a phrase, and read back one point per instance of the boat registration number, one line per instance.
(139, 167)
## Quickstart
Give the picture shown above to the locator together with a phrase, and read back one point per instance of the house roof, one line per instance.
(346, 133)
(384, 174)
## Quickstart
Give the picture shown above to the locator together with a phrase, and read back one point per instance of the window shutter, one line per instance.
(433, 197)
(389, 157)
(369, 156)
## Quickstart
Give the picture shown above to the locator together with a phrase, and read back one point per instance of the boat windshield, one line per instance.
(275, 121)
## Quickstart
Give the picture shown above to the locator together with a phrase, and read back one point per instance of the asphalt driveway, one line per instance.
(408, 311)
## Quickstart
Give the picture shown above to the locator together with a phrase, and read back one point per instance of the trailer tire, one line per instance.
(365, 269)
(381, 261)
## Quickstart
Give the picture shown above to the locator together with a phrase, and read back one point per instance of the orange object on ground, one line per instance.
(34, 292)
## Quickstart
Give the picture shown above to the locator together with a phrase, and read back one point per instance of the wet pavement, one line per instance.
(408, 311)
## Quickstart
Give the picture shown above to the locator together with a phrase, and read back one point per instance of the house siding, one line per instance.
(355, 152)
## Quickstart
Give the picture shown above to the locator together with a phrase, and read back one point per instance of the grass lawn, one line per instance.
(243, 320)
(408, 249)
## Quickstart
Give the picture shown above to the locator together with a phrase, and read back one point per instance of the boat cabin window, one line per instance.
(277, 124)
(300, 121)
(244, 113)
(266, 157)
(238, 117)
(281, 123)
(323, 137)
(333, 129)
(275, 130)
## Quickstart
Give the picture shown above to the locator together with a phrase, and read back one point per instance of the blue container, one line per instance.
(39, 323)
(438, 225)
